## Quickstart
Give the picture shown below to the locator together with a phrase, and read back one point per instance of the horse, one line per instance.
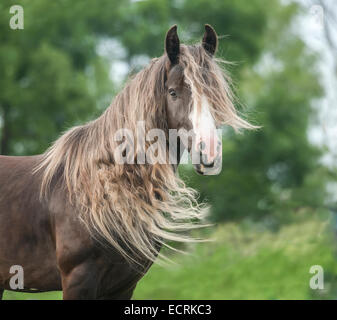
(77, 220)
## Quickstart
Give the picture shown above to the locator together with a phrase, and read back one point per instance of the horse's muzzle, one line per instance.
(210, 163)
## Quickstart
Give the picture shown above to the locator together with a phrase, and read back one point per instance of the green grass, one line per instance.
(55, 295)
(245, 262)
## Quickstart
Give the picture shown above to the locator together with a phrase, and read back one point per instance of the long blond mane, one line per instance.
(136, 208)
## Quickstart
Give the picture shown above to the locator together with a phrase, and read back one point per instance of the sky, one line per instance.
(310, 27)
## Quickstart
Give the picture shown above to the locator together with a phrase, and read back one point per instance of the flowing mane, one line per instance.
(133, 207)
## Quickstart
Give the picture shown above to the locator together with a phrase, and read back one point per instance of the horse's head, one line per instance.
(196, 93)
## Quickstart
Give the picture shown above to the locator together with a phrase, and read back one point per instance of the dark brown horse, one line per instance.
(77, 220)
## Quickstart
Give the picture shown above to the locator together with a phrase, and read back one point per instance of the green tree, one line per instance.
(51, 73)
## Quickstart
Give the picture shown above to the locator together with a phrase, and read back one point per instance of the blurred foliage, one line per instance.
(52, 76)
(246, 261)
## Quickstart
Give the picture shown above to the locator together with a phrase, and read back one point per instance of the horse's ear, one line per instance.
(172, 45)
(210, 40)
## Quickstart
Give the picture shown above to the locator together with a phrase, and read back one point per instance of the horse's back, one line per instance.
(19, 187)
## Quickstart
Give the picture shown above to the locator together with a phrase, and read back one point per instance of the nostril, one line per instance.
(205, 162)
(209, 165)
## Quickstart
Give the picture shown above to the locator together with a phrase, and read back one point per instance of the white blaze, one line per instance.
(204, 128)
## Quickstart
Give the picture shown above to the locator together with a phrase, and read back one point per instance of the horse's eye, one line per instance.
(172, 92)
